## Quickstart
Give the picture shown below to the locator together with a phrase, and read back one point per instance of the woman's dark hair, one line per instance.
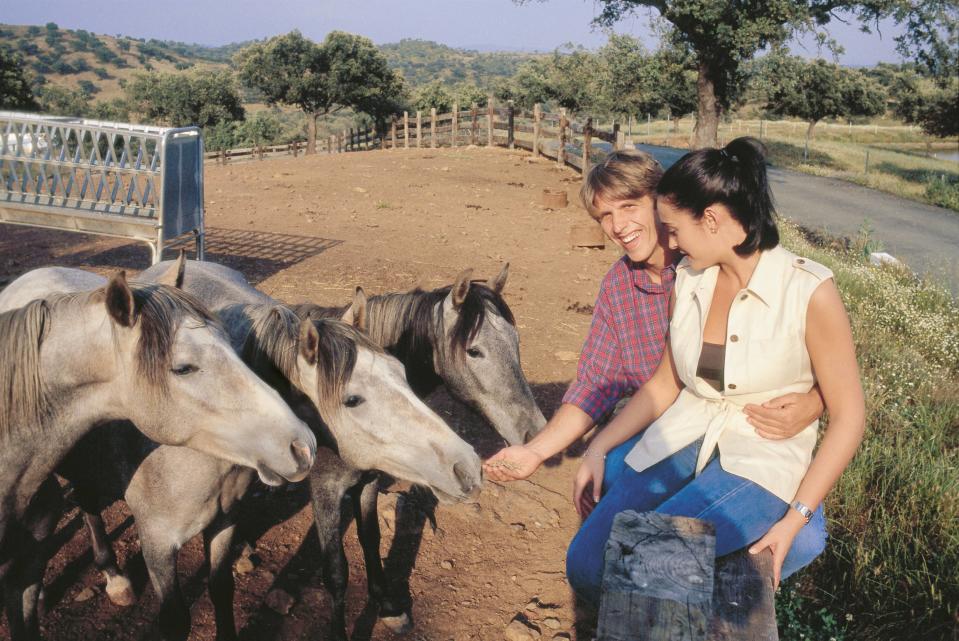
(734, 176)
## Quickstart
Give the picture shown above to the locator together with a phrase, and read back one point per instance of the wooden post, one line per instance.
(352, 146)
(343, 144)
(433, 127)
(419, 128)
(587, 145)
(618, 142)
(489, 120)
(455, 130)
(510, 134)
(406, 130)
(393, 132)
(537, 115)
(561, 139)
(474, 124)
(744, 605)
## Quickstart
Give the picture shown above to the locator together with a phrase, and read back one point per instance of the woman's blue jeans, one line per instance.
(741, 511)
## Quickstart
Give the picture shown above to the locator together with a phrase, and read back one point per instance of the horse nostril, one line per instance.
(464, 477)
(302, 454)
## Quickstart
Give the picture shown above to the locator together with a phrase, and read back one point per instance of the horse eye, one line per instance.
(183, 370)
(474, 353)
(353, 401)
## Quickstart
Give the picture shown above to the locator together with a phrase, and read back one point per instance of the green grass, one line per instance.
(891, 568)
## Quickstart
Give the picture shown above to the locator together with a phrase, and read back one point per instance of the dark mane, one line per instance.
(273, 340)
(336, 355)
(23, 404)
(473, 313)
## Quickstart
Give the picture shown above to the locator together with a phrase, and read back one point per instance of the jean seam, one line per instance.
(727, 496)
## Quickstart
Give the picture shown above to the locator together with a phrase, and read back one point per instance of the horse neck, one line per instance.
(26, 460)
(409, 327)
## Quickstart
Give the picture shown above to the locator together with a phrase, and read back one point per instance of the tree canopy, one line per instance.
(15, 92)
(201, 98)
(820, 89)
(345, 71)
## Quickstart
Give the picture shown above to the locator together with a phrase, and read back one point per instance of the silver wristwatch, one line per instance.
(800, 507)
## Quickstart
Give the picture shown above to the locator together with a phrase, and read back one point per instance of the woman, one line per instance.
(628, 335)
(750, 321)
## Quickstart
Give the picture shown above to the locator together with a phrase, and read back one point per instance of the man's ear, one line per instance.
(173, 276)
(119, 300)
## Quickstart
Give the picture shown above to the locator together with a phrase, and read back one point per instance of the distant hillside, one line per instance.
(423, 61)
(100, 64)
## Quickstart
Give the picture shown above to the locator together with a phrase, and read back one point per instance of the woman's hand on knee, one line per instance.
(588, 484)
(778, 540)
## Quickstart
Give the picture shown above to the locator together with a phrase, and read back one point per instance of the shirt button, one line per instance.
(731, 386)
(744, 297)
(734, 338)
(800, 261)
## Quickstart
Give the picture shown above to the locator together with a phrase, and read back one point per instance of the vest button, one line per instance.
(800, 261)
(744, 297)
(731, 386)
(734, 338)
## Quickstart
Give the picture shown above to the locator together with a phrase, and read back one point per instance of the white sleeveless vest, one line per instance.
(766, 357)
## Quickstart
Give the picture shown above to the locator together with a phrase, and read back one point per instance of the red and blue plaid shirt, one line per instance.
(626, 338)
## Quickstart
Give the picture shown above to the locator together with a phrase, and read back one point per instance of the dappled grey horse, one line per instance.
(462, 336)
(353, 394)
(79, 350)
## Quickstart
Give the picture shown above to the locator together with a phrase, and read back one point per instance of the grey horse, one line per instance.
(352, 393)
(77, 352)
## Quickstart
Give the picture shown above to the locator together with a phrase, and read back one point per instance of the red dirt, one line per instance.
(312, 229)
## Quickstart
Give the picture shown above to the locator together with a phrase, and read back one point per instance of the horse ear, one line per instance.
(498, 283)
(309, 341)
(461, 287)
(173, 276)
(119, 300)
(358, 311)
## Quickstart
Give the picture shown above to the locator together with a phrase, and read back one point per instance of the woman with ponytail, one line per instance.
(750, 321)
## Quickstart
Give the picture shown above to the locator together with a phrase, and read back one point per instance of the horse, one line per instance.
(355, 397)
(82, 351)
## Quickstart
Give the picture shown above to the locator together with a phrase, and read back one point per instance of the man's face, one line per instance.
(630, 223)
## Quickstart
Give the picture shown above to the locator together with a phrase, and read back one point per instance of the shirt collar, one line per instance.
(763, 283)
(643, 282)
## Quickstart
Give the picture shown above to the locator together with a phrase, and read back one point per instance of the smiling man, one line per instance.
(628, 335)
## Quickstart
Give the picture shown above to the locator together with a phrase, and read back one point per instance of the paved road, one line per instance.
(923, 236)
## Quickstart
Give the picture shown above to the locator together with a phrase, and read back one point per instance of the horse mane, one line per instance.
(273, 341)
(158, 310)
(409, 320)
(24, 405)
(336, 354)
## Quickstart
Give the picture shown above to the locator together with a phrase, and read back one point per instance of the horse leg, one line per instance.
(328, 514)
(119, 589)
(392, 613)
(217, 540)
(160, 556)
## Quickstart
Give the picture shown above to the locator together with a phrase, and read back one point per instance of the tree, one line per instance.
(434, 95)
(819, 89)
(567, 78)
(180, 99)
(931, 105)
(259, 129)
(15, 92)
(346, 71)
(723, 35)
(60, 101)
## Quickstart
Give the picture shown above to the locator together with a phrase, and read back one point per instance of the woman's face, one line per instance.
(686, 234)
(631, 224)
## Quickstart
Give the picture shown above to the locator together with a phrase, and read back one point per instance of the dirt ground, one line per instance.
(311, 229)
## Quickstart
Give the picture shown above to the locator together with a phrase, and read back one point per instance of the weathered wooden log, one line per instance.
(658, 579)
(662, 582)
(537, 111)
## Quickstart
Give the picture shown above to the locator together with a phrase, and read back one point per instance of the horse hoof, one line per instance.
(400, 624)
(120, 591)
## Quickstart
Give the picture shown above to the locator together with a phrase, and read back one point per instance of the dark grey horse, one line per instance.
(97, 351)
(350, 391)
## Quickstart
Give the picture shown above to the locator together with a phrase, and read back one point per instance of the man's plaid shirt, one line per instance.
(626, 338)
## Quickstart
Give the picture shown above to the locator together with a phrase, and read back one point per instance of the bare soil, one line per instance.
(311, 229)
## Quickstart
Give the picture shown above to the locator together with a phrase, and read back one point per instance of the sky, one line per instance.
(475, 24)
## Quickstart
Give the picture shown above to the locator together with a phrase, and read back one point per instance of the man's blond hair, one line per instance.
(622, 175)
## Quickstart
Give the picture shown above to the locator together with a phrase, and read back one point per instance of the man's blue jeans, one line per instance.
(741, 511)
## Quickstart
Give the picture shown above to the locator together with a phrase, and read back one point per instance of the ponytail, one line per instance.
(734, 176)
